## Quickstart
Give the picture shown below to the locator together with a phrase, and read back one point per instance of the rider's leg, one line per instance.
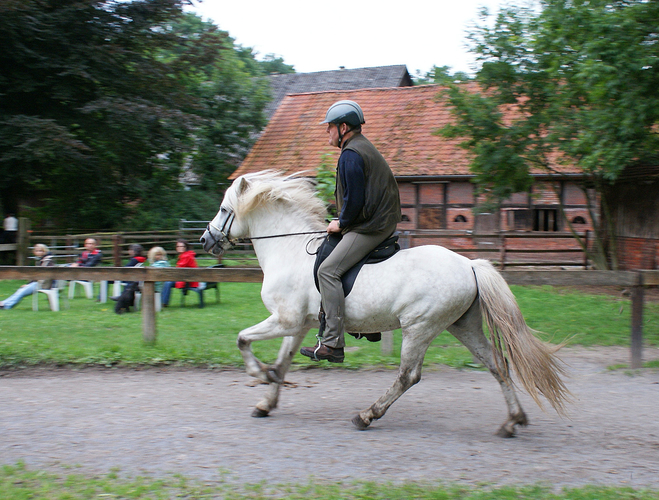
(352, 248)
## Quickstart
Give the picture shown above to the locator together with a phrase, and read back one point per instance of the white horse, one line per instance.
(422, 290)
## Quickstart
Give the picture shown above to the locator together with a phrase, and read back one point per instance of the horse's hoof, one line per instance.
(521, 419)
(273, 377)
(358, 422)
(259, 413)
(505, 432)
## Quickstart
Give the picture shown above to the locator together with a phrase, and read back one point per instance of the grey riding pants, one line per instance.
(352, 248)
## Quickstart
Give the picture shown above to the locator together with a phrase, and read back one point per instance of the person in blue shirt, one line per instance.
(45, 259)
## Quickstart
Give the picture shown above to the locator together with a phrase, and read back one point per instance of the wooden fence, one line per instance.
(114, 245)
(635, 281)
(506, 249)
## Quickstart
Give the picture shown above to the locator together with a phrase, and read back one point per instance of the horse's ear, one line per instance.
(242, 186)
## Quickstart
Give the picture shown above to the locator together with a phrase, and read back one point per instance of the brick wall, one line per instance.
(638, 253)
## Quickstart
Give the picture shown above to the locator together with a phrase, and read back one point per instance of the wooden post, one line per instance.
(149, 312)
(637, 324)
(502, 251)
(116, 250)
(69, 245)
(387, 344)
(585, 253)
(22, 241)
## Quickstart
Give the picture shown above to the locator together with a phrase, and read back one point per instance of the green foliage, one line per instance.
(105, 105)
(326, 182)
(440, 75)
(580, 78)
(272, 64)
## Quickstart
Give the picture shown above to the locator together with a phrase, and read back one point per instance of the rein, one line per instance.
(280, 235)
(226, 227)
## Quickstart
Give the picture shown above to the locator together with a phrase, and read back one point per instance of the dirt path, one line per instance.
(197, 423)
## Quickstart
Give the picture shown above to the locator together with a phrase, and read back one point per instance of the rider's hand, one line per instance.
(333, 227)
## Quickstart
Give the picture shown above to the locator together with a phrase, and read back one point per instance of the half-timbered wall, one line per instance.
(450, 205)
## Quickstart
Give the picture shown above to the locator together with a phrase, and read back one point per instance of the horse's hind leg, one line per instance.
(415, 344)
(469, 330)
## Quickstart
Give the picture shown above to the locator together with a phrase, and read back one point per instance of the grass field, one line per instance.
(90, 333)
(19, 483)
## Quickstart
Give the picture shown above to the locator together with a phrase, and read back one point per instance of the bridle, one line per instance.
(226, 228)
(223, 231)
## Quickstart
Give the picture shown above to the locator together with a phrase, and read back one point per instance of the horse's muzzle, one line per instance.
(210, 244)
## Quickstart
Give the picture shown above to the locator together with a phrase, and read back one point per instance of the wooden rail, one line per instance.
(506, 248)
(635, 280)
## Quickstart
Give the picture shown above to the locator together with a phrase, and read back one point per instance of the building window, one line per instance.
(404, 218)
(431, 218)
(545, 219)
(519, 219)
(460, 218)
(578, 220)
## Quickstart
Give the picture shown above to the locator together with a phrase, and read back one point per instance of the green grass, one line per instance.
(89, 333)
(19, 483)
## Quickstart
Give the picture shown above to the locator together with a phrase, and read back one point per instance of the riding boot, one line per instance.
(320, 351)
(323, 322)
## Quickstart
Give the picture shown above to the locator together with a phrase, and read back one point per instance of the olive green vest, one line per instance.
(382, 201)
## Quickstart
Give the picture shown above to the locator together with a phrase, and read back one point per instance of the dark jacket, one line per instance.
(381, 205)
(135, 260)
(90, 259)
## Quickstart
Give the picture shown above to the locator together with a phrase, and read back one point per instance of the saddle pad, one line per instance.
(383, 251)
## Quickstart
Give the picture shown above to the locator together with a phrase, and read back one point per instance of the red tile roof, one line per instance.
(400, 122)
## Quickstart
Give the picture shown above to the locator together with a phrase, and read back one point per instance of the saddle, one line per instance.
(381, 253)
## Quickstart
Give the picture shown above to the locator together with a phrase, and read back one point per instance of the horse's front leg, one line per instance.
(268, 329)
(289, 347)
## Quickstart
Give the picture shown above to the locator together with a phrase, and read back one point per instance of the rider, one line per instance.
(368, 204)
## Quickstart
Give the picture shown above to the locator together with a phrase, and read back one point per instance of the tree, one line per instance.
(440, 75)
(581, 77)
(104, 104)
(272, 64)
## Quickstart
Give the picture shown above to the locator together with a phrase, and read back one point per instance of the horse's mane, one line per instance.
(270, 186)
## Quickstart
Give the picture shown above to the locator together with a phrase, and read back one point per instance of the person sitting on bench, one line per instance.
(186, 258)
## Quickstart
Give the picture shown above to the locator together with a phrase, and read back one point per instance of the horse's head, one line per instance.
(222, 231)
(284, 204)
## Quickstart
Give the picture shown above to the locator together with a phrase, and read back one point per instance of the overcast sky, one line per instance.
(320, 36)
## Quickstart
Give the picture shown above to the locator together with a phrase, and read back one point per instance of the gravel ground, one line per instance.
(197, 423)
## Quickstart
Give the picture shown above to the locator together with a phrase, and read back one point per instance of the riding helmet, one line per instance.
(345, 112)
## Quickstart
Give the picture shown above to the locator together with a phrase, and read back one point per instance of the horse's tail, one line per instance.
(514, 343)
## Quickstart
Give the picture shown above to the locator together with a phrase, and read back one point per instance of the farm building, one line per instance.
(634, 200)
(437, 193)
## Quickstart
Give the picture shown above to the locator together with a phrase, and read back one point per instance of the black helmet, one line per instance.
(345, 112)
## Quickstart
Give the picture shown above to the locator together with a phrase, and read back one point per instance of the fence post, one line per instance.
(637, 324)
(149, 312)
(116, 249)
(502, 250)
(22, 241)
(585, 253)
(69, 245)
